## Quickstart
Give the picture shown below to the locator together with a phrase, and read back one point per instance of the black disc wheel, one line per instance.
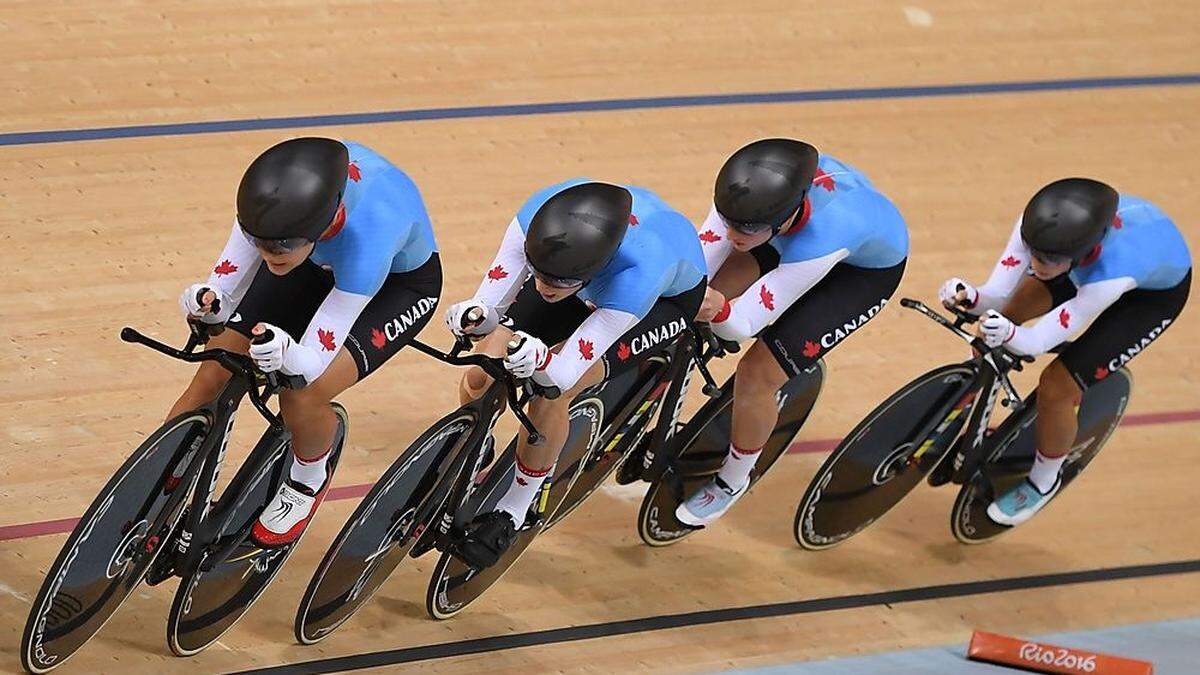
(112, 546)
(1100, 412)
(705, 442)
(454, 584)
(880, 461)
(211, 601)
(382, 531)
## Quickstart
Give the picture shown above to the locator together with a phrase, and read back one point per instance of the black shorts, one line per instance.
(394, 316)
(1122, 331)
(553, 322)
(839, 304)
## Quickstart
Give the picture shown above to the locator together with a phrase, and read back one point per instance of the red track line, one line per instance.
(64, 525)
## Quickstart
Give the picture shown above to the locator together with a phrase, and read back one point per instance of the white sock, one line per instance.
(735, 472)
(310, 473)
(1045, 471)
(524, 487)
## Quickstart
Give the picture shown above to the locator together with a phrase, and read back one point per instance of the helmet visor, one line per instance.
(1049, 258)
(557, 282)
(749, 229)
(278, 246)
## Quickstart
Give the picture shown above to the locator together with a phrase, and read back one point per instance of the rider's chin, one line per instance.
(279, 268)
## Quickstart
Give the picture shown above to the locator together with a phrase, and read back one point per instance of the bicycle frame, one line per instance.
(991, 366)
(453, 497)
(205, 519)
(679, 376)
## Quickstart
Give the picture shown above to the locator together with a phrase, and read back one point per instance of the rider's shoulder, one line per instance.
(363, 157)
(372, 176)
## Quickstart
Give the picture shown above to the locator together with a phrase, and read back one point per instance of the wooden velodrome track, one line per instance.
(98, 234)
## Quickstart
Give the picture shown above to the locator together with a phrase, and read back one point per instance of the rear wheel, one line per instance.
(209, 603)
(381, 532)
(454, 585)
(593, 463)
(705, 442)
(1100, 412)
(112, 546)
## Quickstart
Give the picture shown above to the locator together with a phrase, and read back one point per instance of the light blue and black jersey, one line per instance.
(845, 211)
(387, 228)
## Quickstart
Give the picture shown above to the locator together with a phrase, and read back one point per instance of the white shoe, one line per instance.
(1020, 503)
(284, 519)
(708, 503)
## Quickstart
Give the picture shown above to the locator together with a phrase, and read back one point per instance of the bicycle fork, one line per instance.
(455, 519)
(969, 446)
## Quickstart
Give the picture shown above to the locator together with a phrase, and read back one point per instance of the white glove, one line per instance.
(190, 303)
(958, 293)
(530, 355)
(996, 329)
(725, 331)
(457, 313)
(269, 355)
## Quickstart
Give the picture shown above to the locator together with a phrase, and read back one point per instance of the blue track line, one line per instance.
(647, 103)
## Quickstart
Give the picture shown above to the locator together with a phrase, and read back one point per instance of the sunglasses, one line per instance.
(557, 282)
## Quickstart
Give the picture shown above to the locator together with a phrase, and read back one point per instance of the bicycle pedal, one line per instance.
(426, 542)
(941, 474)
(630, 470)
(162, 569)
(532, 520)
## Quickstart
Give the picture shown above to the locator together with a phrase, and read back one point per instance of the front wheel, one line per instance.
(1100, 411)
(880, 461)
(381, 532)
(112, 546)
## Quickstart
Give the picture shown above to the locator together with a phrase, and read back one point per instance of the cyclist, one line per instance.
(803, 251)
(608, 273)
(332, 256)
(1079, 254)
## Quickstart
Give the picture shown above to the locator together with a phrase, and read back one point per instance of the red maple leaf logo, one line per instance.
(1064, 318)
(811, 348)
(1118, 223)
(633, 219)
(326, 338)
(1101, 373)
(585, 349)
(226, 267)
(709, 237)
(378, 338)
(765, 297)
(521, 481)
(353, 173)
(623, 351)
(1010, 261)
(496, 273)
(824, 180)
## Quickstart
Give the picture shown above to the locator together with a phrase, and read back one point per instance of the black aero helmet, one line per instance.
(577, 231)
(764, 183)
(293, 190)
(1067, 218)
